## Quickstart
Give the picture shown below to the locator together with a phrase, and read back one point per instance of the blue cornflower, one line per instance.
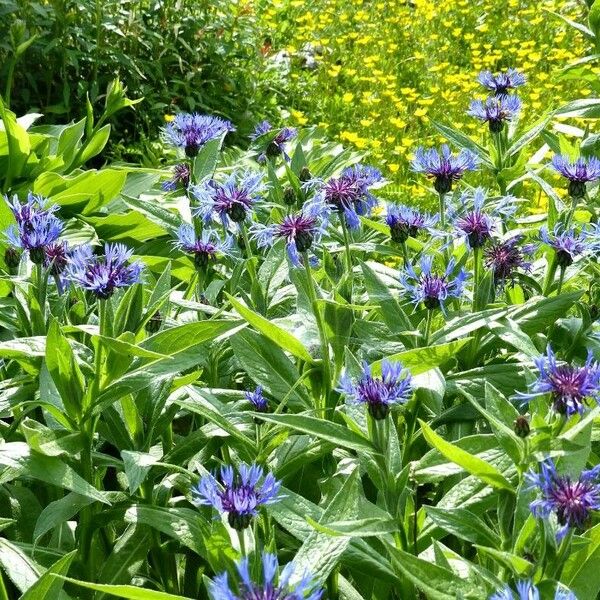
(496, 111)
(501, 83)
(578, 173)
(350, 193)
(233, 199)
(258, 401)
(181, 178)
(405, 222)
(276, 144)
(572, 501)
(56, 257)
(271, 588)
(443, 167)
(475, 225)
(568, 244)
(526, 590)
(300, 230)
(239, 495)
(103, 275)
(430, 288)
(191, 131)
(204, 248)
(37, 226)
(379, 394)
(570, 386)
(504, 258)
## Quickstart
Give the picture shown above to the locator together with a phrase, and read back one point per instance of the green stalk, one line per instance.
(320, 324)
(550, 274)
(252, 270)
(405, 255)
(561, 279)
(476, 276)
(442, 209)
(428, 326)
(347, 250)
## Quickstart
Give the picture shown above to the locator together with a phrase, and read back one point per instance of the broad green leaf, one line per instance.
(517, 564)
(206, 159)
(19, 146)
(21, 570)
(285, 340)
(137, 465)
(472, 464)
(420, 360)
(325, 430)
(581, 573)
(463, 141)
(58, 512)
(463, 524)
(356, 528)
(126, 591)
(48, 587)
(528, 136)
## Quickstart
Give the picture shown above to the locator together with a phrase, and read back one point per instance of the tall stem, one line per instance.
(561, 278)
(476, 276)
(321, 326)
(442, 209)
(348, 254)
(550, 273)
(428, 326)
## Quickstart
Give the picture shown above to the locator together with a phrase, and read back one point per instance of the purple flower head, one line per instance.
(103, 275)
(405, 222)
(526, 590)
(204, 248)
(501, 83)
(258, 401)
(300, 230)
(271, 587)
(443, 167)
(430, 288)
(496, 111)
(191, 131)
(505, 258)
(475, 225)
(276, 143)
(37, 226)
(181, 178)
(572, 501)
(379, 394)
(570, 386)
(56, 257)
(239, 493)
(350, 195)
(578, 173)
(231, 200)
(568, 244)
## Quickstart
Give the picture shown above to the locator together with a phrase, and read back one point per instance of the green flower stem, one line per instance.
(563, 554)
(405, 254)
(321, 326)
(476, 276)
(442, 209)
(561, 279)
(427, 332)
(242, 539)
(256, 289)
(550, 275)
(347, 249)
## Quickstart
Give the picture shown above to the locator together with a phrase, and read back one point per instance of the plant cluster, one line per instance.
(248, 359)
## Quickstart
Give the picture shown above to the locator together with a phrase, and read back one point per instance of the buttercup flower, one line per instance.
(405, 222)
(496, 111)
(568, 244)
(570, 386)
(501, 83)
(204, 248)
(350, 195)
(276, 146)
(181, 178)
(443, 167)
(430, 288)
(191, 131)
(578, 173)
(239, 494)
(300, 230)
(526, 590)
(258, 401)
(103, 275)
(572, 501)
(231, 200)
(379, 394)
(271, 588)
(505, 258)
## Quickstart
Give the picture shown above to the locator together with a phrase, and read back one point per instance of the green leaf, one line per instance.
(472, 464)
(528, 136)
(19, 146)
(285, 340)
(515, 563)
(64, 370)
(420, 360)
(21, 570)
(205, 162)
(48, 587)
(588, 108)
(58, 512)
(581, 573)
(368, 527)
(463, 524)
(137, 465)
(125, 591)
(325, 430)
(436, 582)
(94, 146)
(464, 141)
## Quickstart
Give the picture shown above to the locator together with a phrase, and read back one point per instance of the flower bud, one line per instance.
(521, 426)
